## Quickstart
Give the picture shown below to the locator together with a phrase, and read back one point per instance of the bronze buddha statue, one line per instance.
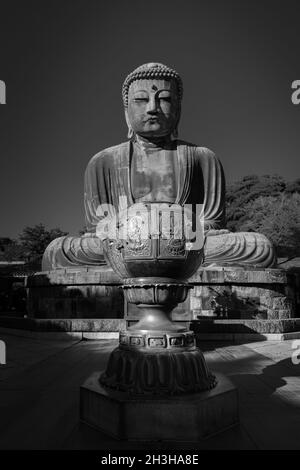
(153, 166)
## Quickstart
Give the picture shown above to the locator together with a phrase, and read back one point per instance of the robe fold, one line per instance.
(200, 180)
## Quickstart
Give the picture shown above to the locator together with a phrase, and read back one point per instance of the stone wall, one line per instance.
(245, 294)
(222, 293)
(75, 293)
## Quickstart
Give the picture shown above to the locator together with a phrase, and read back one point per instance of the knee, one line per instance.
(52, 253)
(71, 252)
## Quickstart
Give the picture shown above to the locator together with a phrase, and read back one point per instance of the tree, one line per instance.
(13, 252)
(34, 241)
(247, 190)
(277, 217)
(293, 187)
(269, 205)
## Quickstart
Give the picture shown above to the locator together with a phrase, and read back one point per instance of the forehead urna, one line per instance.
(148, 88)
(151, 70)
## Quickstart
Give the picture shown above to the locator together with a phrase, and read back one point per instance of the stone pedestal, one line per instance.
(222, 293)
(82, 292)
(228, 293)
(187, 417)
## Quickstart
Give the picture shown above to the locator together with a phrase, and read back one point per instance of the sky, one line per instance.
(64, 63)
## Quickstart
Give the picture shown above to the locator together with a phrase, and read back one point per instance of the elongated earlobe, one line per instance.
(130, 133)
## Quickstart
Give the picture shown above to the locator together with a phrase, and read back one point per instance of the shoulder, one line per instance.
(203, 158)
(107, 155)
(205, 154)
(200, 152)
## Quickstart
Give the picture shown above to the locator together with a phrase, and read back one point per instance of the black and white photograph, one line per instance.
(150, 229)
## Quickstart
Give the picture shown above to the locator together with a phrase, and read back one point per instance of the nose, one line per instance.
(152, 105)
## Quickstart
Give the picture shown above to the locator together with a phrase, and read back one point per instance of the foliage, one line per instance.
(249, 188)
(279, 219)
(269, 205)
(13, 252)
(34, 240)
(293, 187)
(31, 244)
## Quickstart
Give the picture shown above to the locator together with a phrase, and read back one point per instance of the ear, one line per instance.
(126, 117)
(130, 133)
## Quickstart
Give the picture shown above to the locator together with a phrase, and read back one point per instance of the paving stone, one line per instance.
(42, 379)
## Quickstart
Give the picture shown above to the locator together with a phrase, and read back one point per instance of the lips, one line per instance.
(152, 119)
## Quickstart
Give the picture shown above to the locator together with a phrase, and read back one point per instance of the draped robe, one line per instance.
(199, 180)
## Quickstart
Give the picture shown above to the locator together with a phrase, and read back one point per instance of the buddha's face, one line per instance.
(153, 107)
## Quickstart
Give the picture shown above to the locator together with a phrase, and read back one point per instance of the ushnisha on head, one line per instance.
(152, 96)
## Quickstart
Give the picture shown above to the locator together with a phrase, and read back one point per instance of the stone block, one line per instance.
(241, 293)
(236, 276)
(190, 417)
(278, 314)
(281, 303)
(207, 276)
(70, 293)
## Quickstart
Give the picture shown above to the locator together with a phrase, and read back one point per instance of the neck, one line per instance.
(153, 142)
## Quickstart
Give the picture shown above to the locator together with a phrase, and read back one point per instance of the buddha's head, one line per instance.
(152, 99)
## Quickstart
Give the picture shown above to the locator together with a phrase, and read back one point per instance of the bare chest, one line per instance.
(154, 176)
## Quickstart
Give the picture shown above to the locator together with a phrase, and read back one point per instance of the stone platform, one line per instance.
(238, 293)
(75, 293)
(218, 293)
(190, 417)
(208, 329)
(42, 379)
